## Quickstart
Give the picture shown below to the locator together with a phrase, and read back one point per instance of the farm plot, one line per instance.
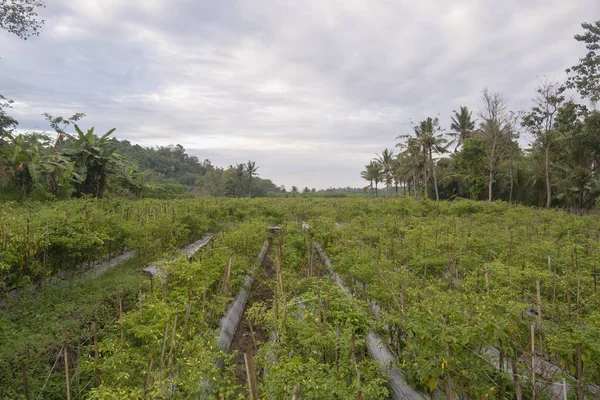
(429, 300)
(480, 301)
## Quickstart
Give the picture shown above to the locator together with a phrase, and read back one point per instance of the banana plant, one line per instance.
(93, 162)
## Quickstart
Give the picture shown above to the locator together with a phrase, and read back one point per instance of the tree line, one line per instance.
(39, 166)
(481, 156)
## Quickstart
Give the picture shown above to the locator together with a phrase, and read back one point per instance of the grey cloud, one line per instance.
(309, 89)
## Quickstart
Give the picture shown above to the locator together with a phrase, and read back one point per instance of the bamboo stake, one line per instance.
(188, 311)
(579, 374)
(147, 383)
(337, 349)
(121, 318)
(172, 342)
(578, 290)
(204, 298)
(359, 392)
(533, 388)
(66, 358)
(141, 300)
(251, 372)
(96, 352)
(554, 287)
(352, 355)
(539, 311)
(402, 303)
(485, 274)
(515, 374)
(162, 354)
(252, 333)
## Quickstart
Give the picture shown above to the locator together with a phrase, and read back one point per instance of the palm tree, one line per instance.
(386, 160)
(430, 137)
(377, 172)
(251, 169)
(373, 173)
(367, 176)
(463, 125)
(414, 161)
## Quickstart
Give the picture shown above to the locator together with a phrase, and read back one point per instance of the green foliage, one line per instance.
(585, 76)
(454, 284)
(21, 18)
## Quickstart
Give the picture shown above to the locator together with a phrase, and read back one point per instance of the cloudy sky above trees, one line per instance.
(309, 89)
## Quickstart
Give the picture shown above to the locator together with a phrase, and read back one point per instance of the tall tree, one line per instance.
(21, 18)
(463, 125)
(585, 76)
(413, 160)
(540, 123)
(431, 138)
(512, 148)
(251, 169)
(386, 160)
(373, 173)
(492, 129)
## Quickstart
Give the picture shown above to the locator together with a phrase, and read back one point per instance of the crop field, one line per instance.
(356, 298)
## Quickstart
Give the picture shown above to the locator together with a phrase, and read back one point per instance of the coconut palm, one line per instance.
(430, 137)
(373, 173)
(414, 161)
(463, 125)
(251, 169)
(386, 160)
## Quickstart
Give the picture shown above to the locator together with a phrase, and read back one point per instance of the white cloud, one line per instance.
(310, 90)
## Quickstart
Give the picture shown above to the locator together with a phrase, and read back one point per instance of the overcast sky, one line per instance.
(309, 89)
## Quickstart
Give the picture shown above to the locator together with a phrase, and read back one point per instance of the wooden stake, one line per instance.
(162, 354)
(147, 383)
(515, 374)
(227, 275)
(121, 318)
(25, 384)
(352, 355)
(188, 311)
(252, 333)
(172, 342)
(359, 392)
(251, 372)
(554, 287)
(296, 393)
(578, 292)
(337, 349)
(96, 353)
(568, 301)
(565, 388)
(67, 381)
(579, 374)
(204, 298)
(141, 300)
(595, 271)
(485, 274)
(539, 311)
(533, 389)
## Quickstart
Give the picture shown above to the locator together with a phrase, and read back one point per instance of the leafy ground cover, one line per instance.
(451, 287)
